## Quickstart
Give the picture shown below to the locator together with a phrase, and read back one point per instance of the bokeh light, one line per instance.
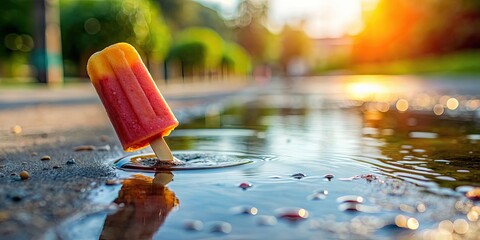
(402, 105)
(452, 103)
(92, 26)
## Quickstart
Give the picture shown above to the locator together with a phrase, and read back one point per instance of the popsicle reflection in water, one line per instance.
(135, 106)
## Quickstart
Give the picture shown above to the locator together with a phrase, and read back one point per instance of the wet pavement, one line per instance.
(63, 139)
(337, 157)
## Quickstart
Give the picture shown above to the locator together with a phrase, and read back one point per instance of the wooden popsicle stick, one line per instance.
(162, 150)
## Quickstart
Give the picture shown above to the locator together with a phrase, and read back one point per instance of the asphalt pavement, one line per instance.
(57, 145)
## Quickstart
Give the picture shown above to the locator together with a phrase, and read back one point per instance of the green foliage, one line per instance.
(190, 54)
(16, 42)
(236, 58)
(181, 14)
(89, 25)
(210, 54)
(458, 63)
(14, 23)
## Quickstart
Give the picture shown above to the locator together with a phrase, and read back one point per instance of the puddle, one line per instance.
(188, 160)
(344, 172)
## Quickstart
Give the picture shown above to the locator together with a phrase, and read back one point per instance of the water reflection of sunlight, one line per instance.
(374, 88)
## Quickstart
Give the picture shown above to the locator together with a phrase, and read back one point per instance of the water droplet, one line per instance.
(461, 226)
(329, 176)
(193, 225)
(17, 129)
(349, 206)
(473, 194)
(221, 227)
(317, 196)
(292, 214)
(245, 185)
(247, 210)
(406, 222)
(298, 175)
(446, 225)
(407, 208)
(472, 216)
(265, 220)
(350, 198)
(421, 207)
(322, 191)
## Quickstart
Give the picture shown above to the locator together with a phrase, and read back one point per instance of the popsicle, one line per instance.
(138, 112)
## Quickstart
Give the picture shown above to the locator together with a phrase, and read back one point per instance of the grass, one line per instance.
(461, 63)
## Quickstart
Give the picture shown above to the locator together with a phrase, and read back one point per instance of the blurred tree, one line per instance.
(295, 45)
(235, 59)
(251, 32)
(90, 25)
(181, 14)
(16, 30)
(399, 29)
(198, 48)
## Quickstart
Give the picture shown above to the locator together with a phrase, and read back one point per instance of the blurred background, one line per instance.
(50, 41)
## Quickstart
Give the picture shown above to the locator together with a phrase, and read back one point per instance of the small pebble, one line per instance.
(350, 198)
(322, 191)
(16, 198)
(247, 210)
(104, 138)
(245, 185)
(84, 148)
(45, 158)
(193, 225)
(24, 175)
(4, 216)
(292, 214)
(329, 176)
(473, 194)
(266, 220)
(104, 148)
(24, 163)
(34, 154)
(349, 206)
(17, 129)
(71, 161)
(111, 182)
(2, 175)
(221, 227)
(317, 196)
(298, 175)
(13, 174)
(56, 167)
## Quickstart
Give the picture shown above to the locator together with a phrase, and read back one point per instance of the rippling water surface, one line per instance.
(324, 164)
